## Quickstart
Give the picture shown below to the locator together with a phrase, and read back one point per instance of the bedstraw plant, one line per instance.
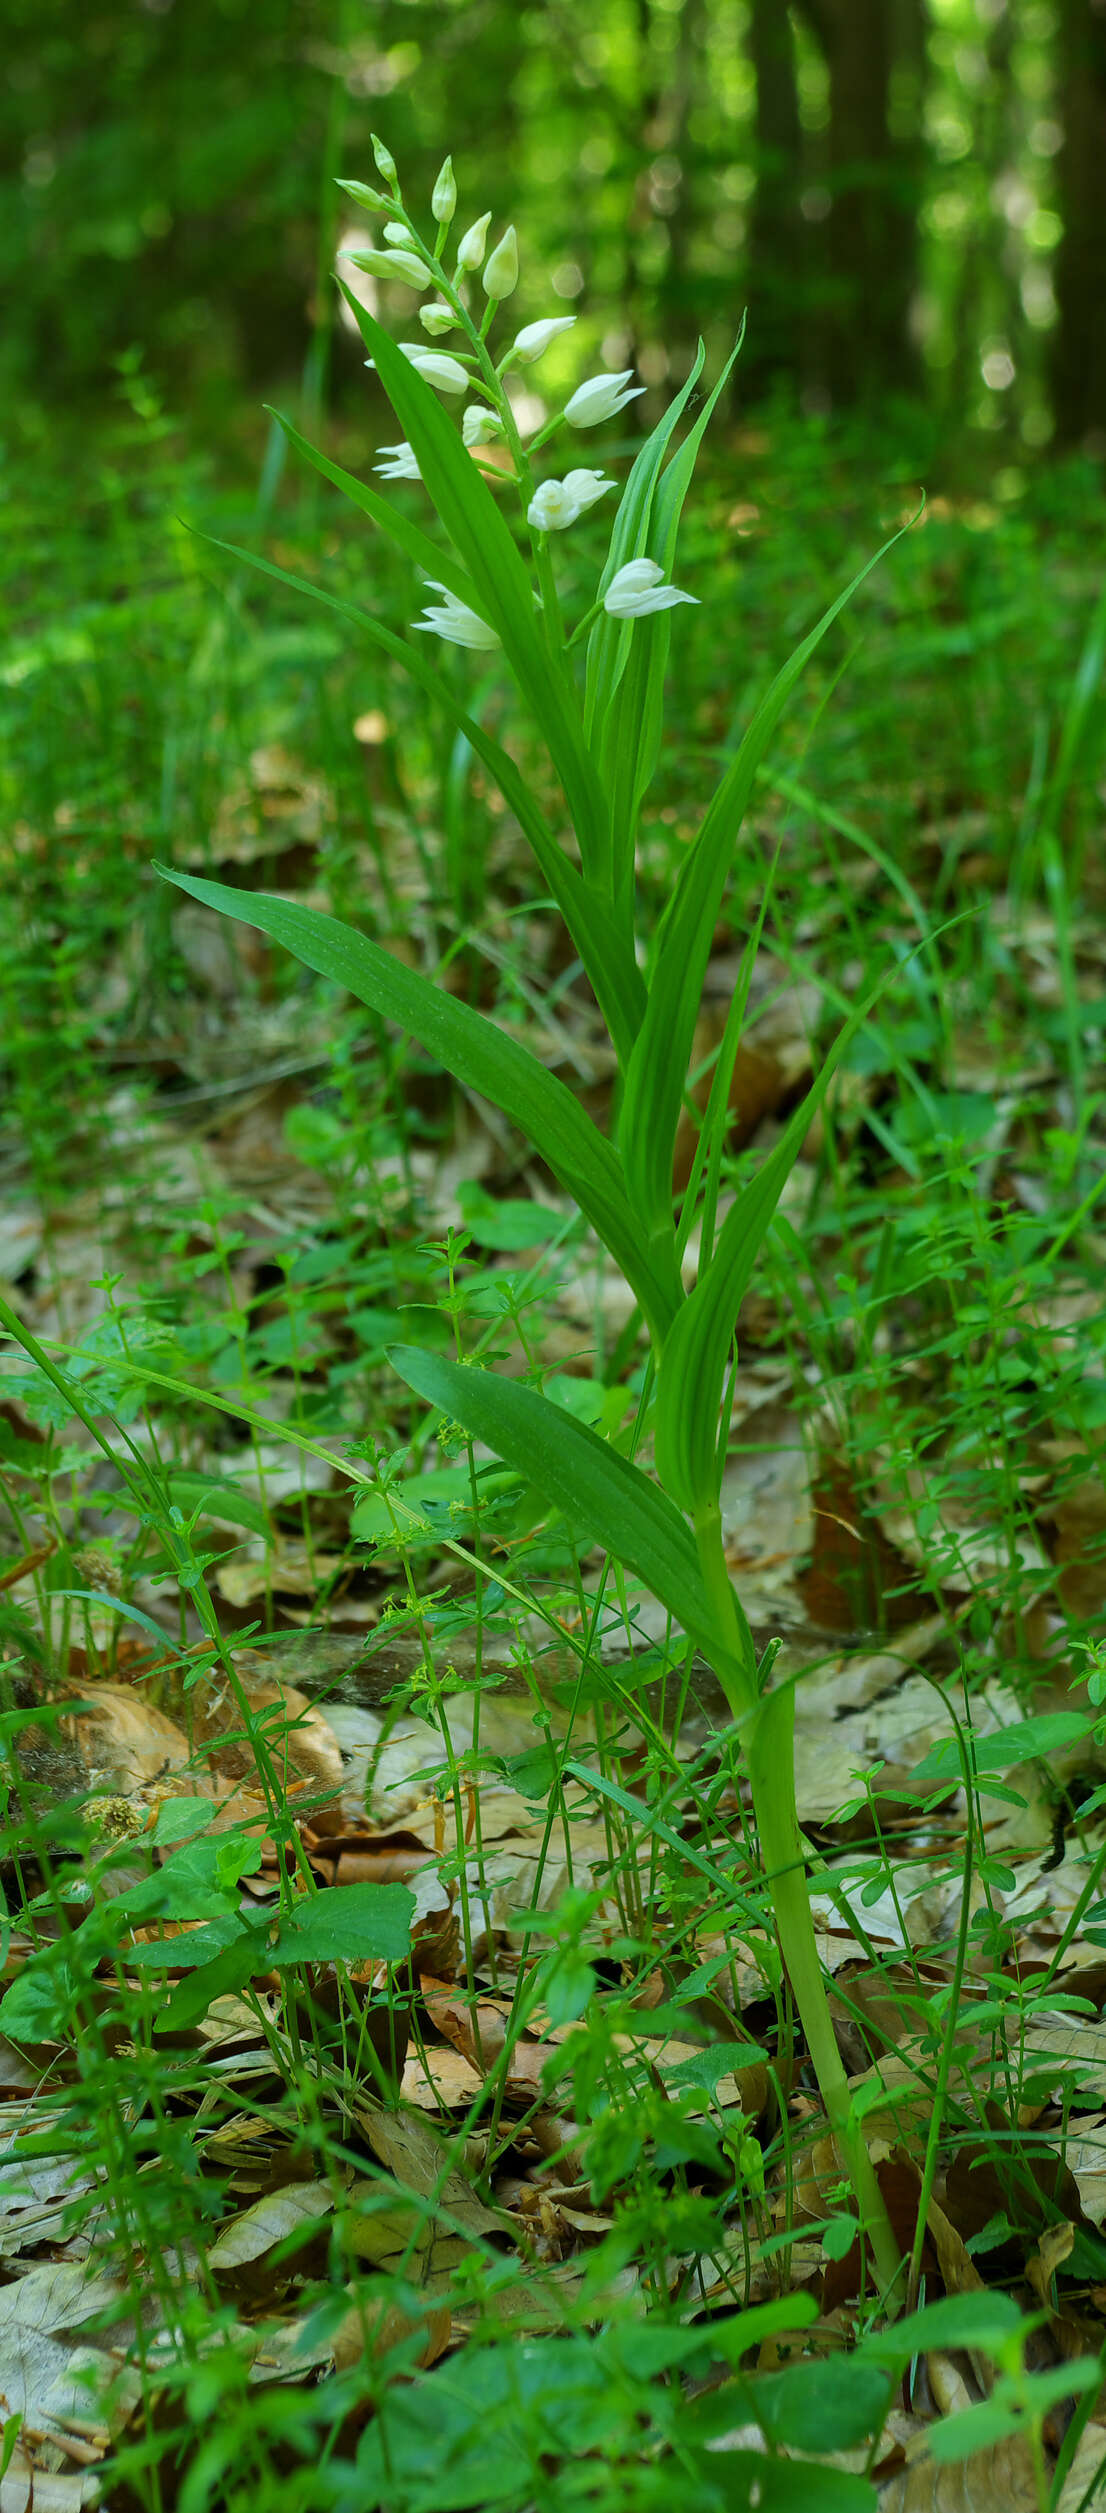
(593, 688)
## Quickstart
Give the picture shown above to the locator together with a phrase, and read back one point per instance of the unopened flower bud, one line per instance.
(437, 367)
(437, 318)
(479, 425)
(534, 338)
(364, 193)
(470, 251)
(396, 233)
(501, 267)
(385, 162)
(392, 265)
(443, 199)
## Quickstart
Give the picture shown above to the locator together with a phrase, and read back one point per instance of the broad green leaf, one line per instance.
(481, 1056)
(827, 2404)
(577, 1473)
(697, 1349)
(346, 1924)
(438, 1502)
(214, 1496)
(986, 2321)
(503, 591)
(605, 947)
(1025, 1741)
(658, 1067)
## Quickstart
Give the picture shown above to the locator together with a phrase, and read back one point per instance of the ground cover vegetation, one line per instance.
(551, 1425)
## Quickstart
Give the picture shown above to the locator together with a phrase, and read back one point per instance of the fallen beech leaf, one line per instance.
(297, 1736)
(372, 2326)
(270, 2220)
(125, 1745)
(415, 2155)
(440, 2080)
(1000, 2478)
(1090, 2459)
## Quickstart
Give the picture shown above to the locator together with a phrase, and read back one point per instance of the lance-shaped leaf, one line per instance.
(610, 642)
(635, 716)
(415, 544)
(576, 1473)
(697, 1348)
(480, 1055)
(504, 593)
(658, 1067)
(604, 944)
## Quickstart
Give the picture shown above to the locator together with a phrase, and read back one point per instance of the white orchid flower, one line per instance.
(437, 366)
(534, 338)
(639, 588)
(479, 425)
(437, 318)
(599, 398)
(454, 621)
(558, 502)
(400, 463)
(584, 487)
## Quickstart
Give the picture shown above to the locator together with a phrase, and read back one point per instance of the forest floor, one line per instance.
(402, 2100)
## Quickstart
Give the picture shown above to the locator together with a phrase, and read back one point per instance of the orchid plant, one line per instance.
(593, 690)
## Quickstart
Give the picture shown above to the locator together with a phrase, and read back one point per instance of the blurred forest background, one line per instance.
(908, 195)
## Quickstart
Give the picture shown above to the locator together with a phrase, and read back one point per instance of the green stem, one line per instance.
(769, 1749)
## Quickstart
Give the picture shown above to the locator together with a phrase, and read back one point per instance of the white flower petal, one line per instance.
(400, 463)
(584, 487)
(453, 620)
(639, 588)
(599, 398)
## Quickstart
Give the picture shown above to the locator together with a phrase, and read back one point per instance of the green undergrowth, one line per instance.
(313, 2302)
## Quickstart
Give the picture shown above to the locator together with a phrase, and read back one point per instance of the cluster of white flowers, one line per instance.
(637, 589)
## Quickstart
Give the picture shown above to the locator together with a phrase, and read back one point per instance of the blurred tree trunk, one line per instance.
(869, 239)
(988, 301)
(777, 300)
(685, 306)
(1079, 351)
